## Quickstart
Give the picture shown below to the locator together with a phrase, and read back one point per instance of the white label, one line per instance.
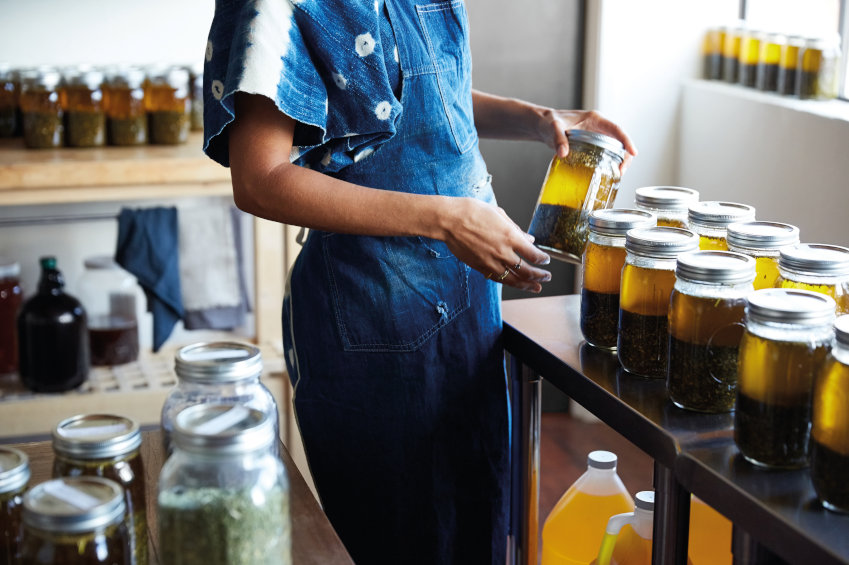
(216, 354)
(70, 495)
(90, 431)
(223, 421)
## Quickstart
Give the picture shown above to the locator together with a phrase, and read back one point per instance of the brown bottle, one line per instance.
(53, 336)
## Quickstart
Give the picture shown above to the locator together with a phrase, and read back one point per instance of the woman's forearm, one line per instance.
(497, 117)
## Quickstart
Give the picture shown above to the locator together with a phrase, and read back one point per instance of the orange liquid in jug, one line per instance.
(710, 535)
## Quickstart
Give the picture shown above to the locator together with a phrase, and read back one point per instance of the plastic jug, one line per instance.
(710, 535)
(627, 537)
(574, 529)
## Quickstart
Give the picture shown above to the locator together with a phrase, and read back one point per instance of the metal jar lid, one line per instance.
(218, 362)
(602, 459)
(74, 505)
(815, 259)
(96, 436)
(719, 214)
(661, 242)
(599, 140)
(716, 267)
(762, 235)
(223, 428)
(666, 197)
(617, 221)
(14, 469)
(790, 306)
(841, 330)
(644, 500)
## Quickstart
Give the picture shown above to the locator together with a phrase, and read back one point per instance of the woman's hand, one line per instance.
(485, 238)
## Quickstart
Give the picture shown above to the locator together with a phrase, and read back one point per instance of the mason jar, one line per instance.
(709, 219)
(77, 520)
(648, 278)
(830, 424)
(168, 99)
(763, 241)
(586, 179)
(669, 203)
(706, 313)
(9, 93)
(788, 336)
(81, 95)
(712, 54)
(818, 267)
(601, 272)
(223, 493)
(750, 50)
(731, 53)
(819, 68)
(215, 372)
(788, 66)
(104, 445)
(768, 61)
(14, 478)
(42, 115)
(126, 116)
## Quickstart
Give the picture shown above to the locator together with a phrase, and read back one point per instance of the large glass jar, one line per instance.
(75, 521)
(750, 50)
(11, 298)
(14, 477)
(788, 66)
(712, 53)
(41, 110)
(8, 101)
(103, 445)
(669, 203)
(126, 116)
(223, 493)
(586, 179)
(217, 372)
(601, 272)
(647, 281)
(706, 314)
(768, 61)
(819, 66)
(731, 53)
(763, 241)
(81, 95)
(709, 219)
(168, 101)
(830, 424)
(788, 335)
(108, 294)
(818, 267)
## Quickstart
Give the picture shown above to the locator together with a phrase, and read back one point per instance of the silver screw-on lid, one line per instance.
(605, 142)
(74, 504)
(761, 235)
(666, 197)
(96, 436)
(644, 500)
(223, 428)
(716, 267)
(790, 306)
(218, 362)
(841, 329)
(617, 221)
(661, 242)
(815, 259)
(602, 460)
(14, 469)
(719, 214)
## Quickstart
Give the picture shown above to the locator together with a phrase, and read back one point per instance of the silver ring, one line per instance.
(518, 265)
(504, 274)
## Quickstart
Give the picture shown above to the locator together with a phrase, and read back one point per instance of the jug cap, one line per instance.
(715, 267)
(617, 221)
(666, 197)
(644, 500)
(601, 460)
(605, 142)
(719, 214)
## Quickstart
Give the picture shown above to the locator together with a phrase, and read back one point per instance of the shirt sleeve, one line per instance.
(320, 61)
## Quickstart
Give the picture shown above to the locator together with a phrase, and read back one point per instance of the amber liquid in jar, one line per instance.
(839, 293)
(169, 112)
(11, 298)
(830, 434)
(91, 548)
(704, 337)
(10, 533)
(767, 272)
(113, 340)
(644, 320)
(707, 243)
(43, 119)
(600, 294)
(126, 116)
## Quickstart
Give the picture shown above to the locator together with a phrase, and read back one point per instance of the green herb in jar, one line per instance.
(560, 227)
(8, 121)
(128, 131)
(828, 474)
(773, 435)
(643, 343)
(702, 377)
(85, 129)
(43, 130)
(169, 127)
(600, 318)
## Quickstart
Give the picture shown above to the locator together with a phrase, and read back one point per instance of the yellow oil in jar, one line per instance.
(708, 243)
(837, 292)
(602, 272)
(766, 269)
(830, 434)
(670, 223)
(643, 320)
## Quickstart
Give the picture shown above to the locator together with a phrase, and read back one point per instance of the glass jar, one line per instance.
(124, 101)
(830, 424)
(647, 281)
(41, 110)
(11, 298)
(217, 372)
(75, 521)
(586, 179)
(8, 101)
(750, 50)
(108, 294)
(763, 241)
(601, 272)
(769, 58)
(819, 68)
(14, 477)
(731, 53)
(788, 65)
(196, 77)
(224, 494)
(669, 203)
(103, 445)
(709, 219)
(81, 96)
(788, 335)
(706, 313)
(168, 101)
(818, 267)
(712, 53)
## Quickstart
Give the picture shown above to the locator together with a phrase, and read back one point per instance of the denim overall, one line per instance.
(394, 346)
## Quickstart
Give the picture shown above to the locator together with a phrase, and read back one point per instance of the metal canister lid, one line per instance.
(617, 221)
(841, 329)
(41, 77)
(815, 259)
(9, 269)
(661, 242)
(218, 362)
(602, 459)
(761, 235)
(719, 214)
(96, 436)
(790, 306)
(223, 428)
(74, 505)
(14, 469)
(666, 197)
(644, 500)
(600, 140)
(716, 267)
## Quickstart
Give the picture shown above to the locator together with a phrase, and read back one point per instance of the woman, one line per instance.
(358, 121)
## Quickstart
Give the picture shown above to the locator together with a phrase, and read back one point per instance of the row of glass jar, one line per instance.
(222, 493)
(802, 67)
(91, 107)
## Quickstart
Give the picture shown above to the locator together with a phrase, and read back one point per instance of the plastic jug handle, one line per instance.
(614, 525)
